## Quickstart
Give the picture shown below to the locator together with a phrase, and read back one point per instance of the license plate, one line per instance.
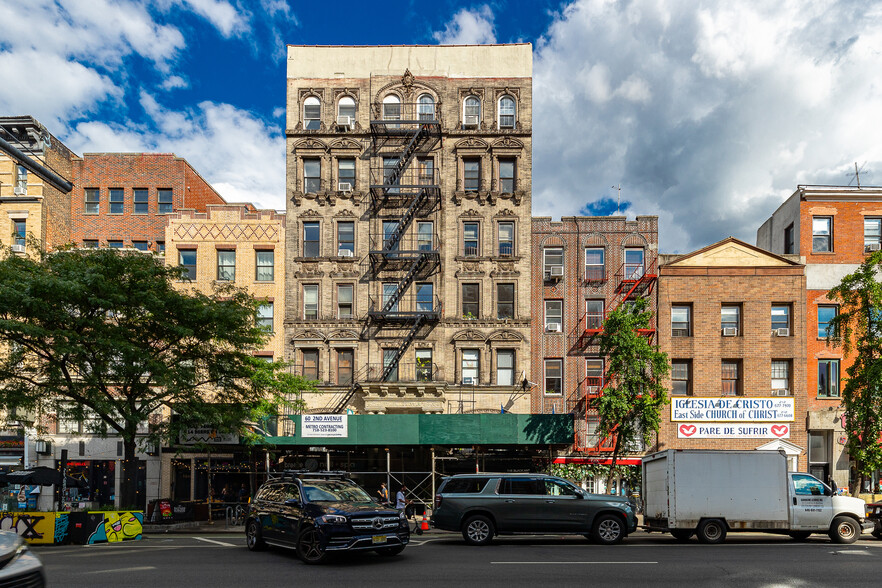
(378, 539)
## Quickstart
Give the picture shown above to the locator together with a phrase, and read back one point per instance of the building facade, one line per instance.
(408, 243)
(832, 229)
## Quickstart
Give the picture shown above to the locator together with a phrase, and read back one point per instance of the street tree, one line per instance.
(857, 329)
(106, 338)
(634, 393)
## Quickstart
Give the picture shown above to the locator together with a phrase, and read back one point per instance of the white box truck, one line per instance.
(709, 493)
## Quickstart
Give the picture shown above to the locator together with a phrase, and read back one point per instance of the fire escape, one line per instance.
(632, 281)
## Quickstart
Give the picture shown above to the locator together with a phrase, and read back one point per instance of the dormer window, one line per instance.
(312, 114)
(506, 112)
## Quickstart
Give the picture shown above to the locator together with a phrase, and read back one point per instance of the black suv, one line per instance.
(321, 513)
(484, 505)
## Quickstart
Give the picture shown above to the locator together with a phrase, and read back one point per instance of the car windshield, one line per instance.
(334, 491)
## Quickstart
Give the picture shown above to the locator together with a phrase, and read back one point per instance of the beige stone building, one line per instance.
(408, 199)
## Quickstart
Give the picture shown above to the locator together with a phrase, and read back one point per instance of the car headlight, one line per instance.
(401, 516)
(332, 519)
(19, 551)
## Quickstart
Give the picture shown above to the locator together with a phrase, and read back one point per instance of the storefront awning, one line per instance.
(598, 460)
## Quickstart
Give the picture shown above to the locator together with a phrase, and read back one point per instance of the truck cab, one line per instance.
(814, 505)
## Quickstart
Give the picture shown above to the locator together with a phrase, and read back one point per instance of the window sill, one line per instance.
(837, 398)
(823, 253)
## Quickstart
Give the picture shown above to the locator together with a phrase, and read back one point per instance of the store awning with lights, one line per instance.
(597, 460)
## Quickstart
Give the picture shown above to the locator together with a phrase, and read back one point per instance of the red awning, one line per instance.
(598, 460)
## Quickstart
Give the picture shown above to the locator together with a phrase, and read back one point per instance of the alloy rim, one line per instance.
(252, 534)
(609, 530)
(478, 531)
(309, 546)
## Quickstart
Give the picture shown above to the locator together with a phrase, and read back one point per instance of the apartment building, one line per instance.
(832, 229)
(408, 243)
(732, 320)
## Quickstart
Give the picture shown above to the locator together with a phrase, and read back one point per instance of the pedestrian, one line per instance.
(383, 492)
(401, 498)
(243, 494)
(227, 494)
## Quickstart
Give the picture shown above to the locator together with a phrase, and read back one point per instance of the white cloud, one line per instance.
(469, 27)
(220, 14)
(174, 82)
(711, 115)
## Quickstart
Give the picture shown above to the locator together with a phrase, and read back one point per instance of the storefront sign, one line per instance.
(208, 436)
(324, 425)
(736, 409)
(730, 431)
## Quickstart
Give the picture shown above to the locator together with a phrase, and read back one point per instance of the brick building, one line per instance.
(731, 318)
(832, 229)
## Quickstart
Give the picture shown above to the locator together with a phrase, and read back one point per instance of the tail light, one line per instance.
(437, 501)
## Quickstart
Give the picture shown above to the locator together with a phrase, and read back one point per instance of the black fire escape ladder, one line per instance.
(405, 220)
(406, 157)
(408, 278)
(350, 392)
(399, 351)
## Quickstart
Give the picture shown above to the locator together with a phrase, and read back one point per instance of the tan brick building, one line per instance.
(832, 229)
(408, 249)
(732, 320)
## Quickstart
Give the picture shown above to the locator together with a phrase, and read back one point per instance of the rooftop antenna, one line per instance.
(856, 176)
(619, 200)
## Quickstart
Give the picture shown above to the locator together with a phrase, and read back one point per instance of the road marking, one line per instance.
(221, 543)
(559, 563)
(853, 552)
(123, 570)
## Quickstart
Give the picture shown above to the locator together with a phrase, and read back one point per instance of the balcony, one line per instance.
(418, 372)
(404, 117)
(635, 279)
(408, 308)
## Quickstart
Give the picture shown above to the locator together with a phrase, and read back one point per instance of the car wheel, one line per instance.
(844, 530)
(799, 535)
(877, 534)
(478, 530)
(390, 551)
(608, 529)
(711, 531)
(309, 547)
(253, 537)
(682, 534)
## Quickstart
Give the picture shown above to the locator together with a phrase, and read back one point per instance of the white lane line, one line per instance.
(558, 563)
(221, 543)
(123, 570)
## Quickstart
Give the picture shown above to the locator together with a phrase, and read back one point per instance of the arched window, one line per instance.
(506, 112)
(346, 107)
(426, 107)
(312, 113)
(471, 112)
(391, 107)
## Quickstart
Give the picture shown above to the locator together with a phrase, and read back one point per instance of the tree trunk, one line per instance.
(612, 463)
(128, 490)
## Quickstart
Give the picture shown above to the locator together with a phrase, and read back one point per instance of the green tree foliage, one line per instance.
(103, 336)
(858, 329)
(634, 394)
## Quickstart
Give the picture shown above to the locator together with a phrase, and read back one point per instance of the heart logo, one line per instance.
(687, 430)
(780, 430)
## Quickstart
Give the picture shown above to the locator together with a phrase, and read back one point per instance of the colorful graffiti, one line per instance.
(75, 527)
(118, 526)
(34, 527)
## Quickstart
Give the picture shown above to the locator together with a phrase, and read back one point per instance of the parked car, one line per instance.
(874, 515)
(18, 565)
(321, 513)
(482, 506)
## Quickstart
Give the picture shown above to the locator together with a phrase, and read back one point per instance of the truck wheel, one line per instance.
(608, 529)
(800, 535)
(682, 534)
(711, 531)
(478, 530)
(844, 530)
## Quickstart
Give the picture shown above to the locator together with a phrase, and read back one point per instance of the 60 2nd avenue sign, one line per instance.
(738, 409)
(324, 425)
(730, 431)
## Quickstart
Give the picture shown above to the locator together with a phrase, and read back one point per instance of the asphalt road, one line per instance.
(219, 560)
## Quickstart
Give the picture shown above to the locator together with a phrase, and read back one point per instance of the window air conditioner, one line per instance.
(552, 328)
(867, 247)
(471, 120)
(344, 253)
(18, 248)
(344, 187)
(19, 190)
(556, 271)
(781, 392)
(784, 332)
(730, 332)
(345, 122)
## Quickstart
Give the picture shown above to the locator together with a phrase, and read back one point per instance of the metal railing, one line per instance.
(594, 273)
(408, 307)
(407, 245)
(413, 177)
(405, 372)
(404, 113)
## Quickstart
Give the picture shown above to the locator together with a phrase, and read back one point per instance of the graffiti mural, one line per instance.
(118, 526)
(34, 527)
(61, 527)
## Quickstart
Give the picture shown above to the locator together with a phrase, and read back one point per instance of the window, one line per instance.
(825, 315)
(681, 381)
(226, 265)
(506, 112)
(507, 175)
(466, 485)
(344, 366)
(390, 241)
(505, 301)
(872, 234)
(312, 114)
(346, 238)
(593, 375)
(311, 236)
(554, 315)
(312, 175)
(506, 239)
(265, 316)
(553, 376)
(505, 367)
(116, 200)
(822, 234)
(425, 238)
(804, 485)
(633, 264)
(819, 450)
(730, 317)
(310, 301)
(389, 291)
(346, 173)
(21, 179)
(681, 321)
(344, 301)
(346, 107)
(187, 259)
(828, 378)
(392, 107)
(90, 243)
(425, 297)
(391, 175)
(553, 258)
(265, 261)
(730, 378)
(116, 244)
(780, 317)
(524, 486)
(595, 266)
(471, 112)
(160, 247)
(424, 365)
(471, 363)
(471, 175)
(165, 200)
(470, 239)
(594, 314)
(390, 365)
(139, 199)
(427, 171)
(141, 245)
(311, 364)
(93, 196)
(789, 245)
(19, 232)
(471, 301)
(781, 375)
(426, 107)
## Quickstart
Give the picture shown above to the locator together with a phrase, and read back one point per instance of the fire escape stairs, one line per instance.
(350, 392)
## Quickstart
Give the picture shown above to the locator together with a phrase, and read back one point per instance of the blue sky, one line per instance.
(707, 114)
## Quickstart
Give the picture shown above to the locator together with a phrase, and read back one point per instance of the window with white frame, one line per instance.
(426, 106)
(312, 114)
(93, 198)
(553, 259)
(593, 375)
(140, 200)
(471, 364)
(595, 266)
(389, 290)
(828, 378)
(312, 175)
(344, 301)
(265, 316)
(226, 265)
(115, 198)
(471, 115)
(594, 314)
(425, 297)
(470, 239)
(345, 238)
(391, 107)
(346, 173)
(553, 376)
(681, 320)
(346, 107)
(471, 180)
(681, 377)
(265, 265)
(506, 238)
(19, 232)
(822, 234)
(505, 367)
(425, 236)
(21, 180)
(507, 175)
(506, 112)
(554, 316)
(780, 317)
(872, 234)
(781, 376)
(310, 301)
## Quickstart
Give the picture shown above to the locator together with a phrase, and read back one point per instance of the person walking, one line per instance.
(243, 494)
(402, 503)
(383, 493)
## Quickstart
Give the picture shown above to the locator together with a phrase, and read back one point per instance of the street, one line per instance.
(442, 559)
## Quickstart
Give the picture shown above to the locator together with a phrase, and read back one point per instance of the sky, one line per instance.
(707, 113)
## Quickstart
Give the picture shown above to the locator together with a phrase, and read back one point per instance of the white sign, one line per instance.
(730, 431)
(324, 425)
(734, 409)
(208, 436)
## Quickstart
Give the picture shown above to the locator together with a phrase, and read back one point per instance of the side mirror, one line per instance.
(834, 489)
(292, 502)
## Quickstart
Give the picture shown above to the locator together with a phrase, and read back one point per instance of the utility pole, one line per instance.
(619, 199)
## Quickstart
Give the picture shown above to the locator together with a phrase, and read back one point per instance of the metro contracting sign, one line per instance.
(712, 418)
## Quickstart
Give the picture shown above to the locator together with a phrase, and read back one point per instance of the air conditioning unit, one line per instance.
(784, 332)
(18, 248)
(345, 122)
(344, 253)
(867, 247)
(344, 187)
(781, 392)
(471, 120)
(730, 332)
(552, 328)
(20, 190)
(555, 271)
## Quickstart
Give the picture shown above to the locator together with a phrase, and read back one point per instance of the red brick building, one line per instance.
(832, 229)
(122, 199)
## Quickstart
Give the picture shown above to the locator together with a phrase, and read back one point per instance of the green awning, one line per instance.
(443, 429)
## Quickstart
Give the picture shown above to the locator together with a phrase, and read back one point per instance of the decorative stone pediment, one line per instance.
(310, 213)
(465, 92)
(471, 213)
(345, 143)
(508, 143)
(505, 335)
(500, 92)
(343, 334)
(310, 143)
(471, 143)
(470, 269)
(505, 212)
(308, 335)
(504, 268)
(306, 92)
(344, 213)
(344, 269)
(309, 270)
(469, 335)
